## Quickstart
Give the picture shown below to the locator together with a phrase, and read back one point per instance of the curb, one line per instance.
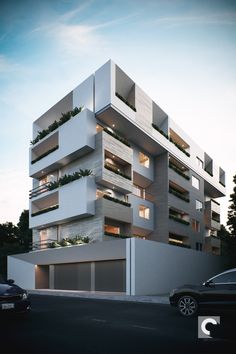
(153, 299)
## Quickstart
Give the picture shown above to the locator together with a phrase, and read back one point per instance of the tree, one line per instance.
(24, 233)
(8, 233)
(14, 239)
(232, 211)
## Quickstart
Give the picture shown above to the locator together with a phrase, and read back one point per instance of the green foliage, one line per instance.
(116, 136)
(179, 195)
(14, 239)
(170, 139)
(115, 170)
(176, 218)
(232, 211)
(116, 235)
(70, 241)
(116, 200)
(64, 118)
(69, 178)
(24, 233)
(177, 170)
(228, 246)
(125, 101)
(46, 210)
(45, 154)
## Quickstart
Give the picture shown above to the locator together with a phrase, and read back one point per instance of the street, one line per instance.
(73, 325)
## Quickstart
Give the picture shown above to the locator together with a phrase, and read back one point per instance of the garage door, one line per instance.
(74, 276)
(110, 276)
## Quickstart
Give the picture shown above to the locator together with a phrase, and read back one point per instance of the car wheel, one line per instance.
(187, 306)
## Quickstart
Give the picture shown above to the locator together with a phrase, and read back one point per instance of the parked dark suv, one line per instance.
(219, 291)
(13, 298)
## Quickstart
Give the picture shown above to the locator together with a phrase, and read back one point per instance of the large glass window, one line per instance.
(199, 205)
(112, 229)
(195, 182)
(144, 212)
(144, 160)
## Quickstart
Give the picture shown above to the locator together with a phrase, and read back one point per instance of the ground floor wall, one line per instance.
(156, 268)
(133, 266)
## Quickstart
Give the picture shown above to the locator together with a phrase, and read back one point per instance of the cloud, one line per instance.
(221, 18)
(74, 35)
(6, 65)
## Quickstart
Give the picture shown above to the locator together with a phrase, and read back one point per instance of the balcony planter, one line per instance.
(115, 200)
(64, 118)
(117, 137)
(160, 131)
(125, 101)
(179, 195)
(177, 170)
(209, 173)
(69, 178)
(45, 154)
(114, 169)
(116, 235)
(175, 218)
(46, 210)
(170, 139)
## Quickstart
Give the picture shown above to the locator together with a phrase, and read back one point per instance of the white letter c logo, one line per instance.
(205, 322)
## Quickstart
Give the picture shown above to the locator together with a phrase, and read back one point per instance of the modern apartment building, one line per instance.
(108, 163)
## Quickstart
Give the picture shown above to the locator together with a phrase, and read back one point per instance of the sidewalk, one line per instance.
(158, 299)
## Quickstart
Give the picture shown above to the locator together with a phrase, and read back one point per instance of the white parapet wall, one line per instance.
(157, 268)
(22, 272)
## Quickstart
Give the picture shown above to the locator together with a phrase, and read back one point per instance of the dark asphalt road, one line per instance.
(82, 326)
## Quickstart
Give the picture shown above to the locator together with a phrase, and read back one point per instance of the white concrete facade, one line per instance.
(142, 178)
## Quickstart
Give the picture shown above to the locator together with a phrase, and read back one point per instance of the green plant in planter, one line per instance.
(85, 172)
(85, 239)
(54, 244)
(65, 243)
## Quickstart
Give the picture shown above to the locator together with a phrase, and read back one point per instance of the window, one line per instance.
(112, 229)
(144, 160)
(195, 182)
(199, 205)
(199, 162)
(225, 278)
(198, 246)
(144, 212)
(195, 225)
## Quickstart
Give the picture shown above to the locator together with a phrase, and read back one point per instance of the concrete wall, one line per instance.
(138, 221)
(21, 267)
(21, 271)
(157, 268)
(83, 94)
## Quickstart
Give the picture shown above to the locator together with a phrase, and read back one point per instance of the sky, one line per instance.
(182, 53)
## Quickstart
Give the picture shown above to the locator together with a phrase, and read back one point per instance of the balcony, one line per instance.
(115, 146)
(178, 168)
(179, 216)
(56, 150)
(114, 208)
(178, 192)
(212, 215)
(116, 173)
(180, 143)
(74, 200)
(179, 240)
(212, 245)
